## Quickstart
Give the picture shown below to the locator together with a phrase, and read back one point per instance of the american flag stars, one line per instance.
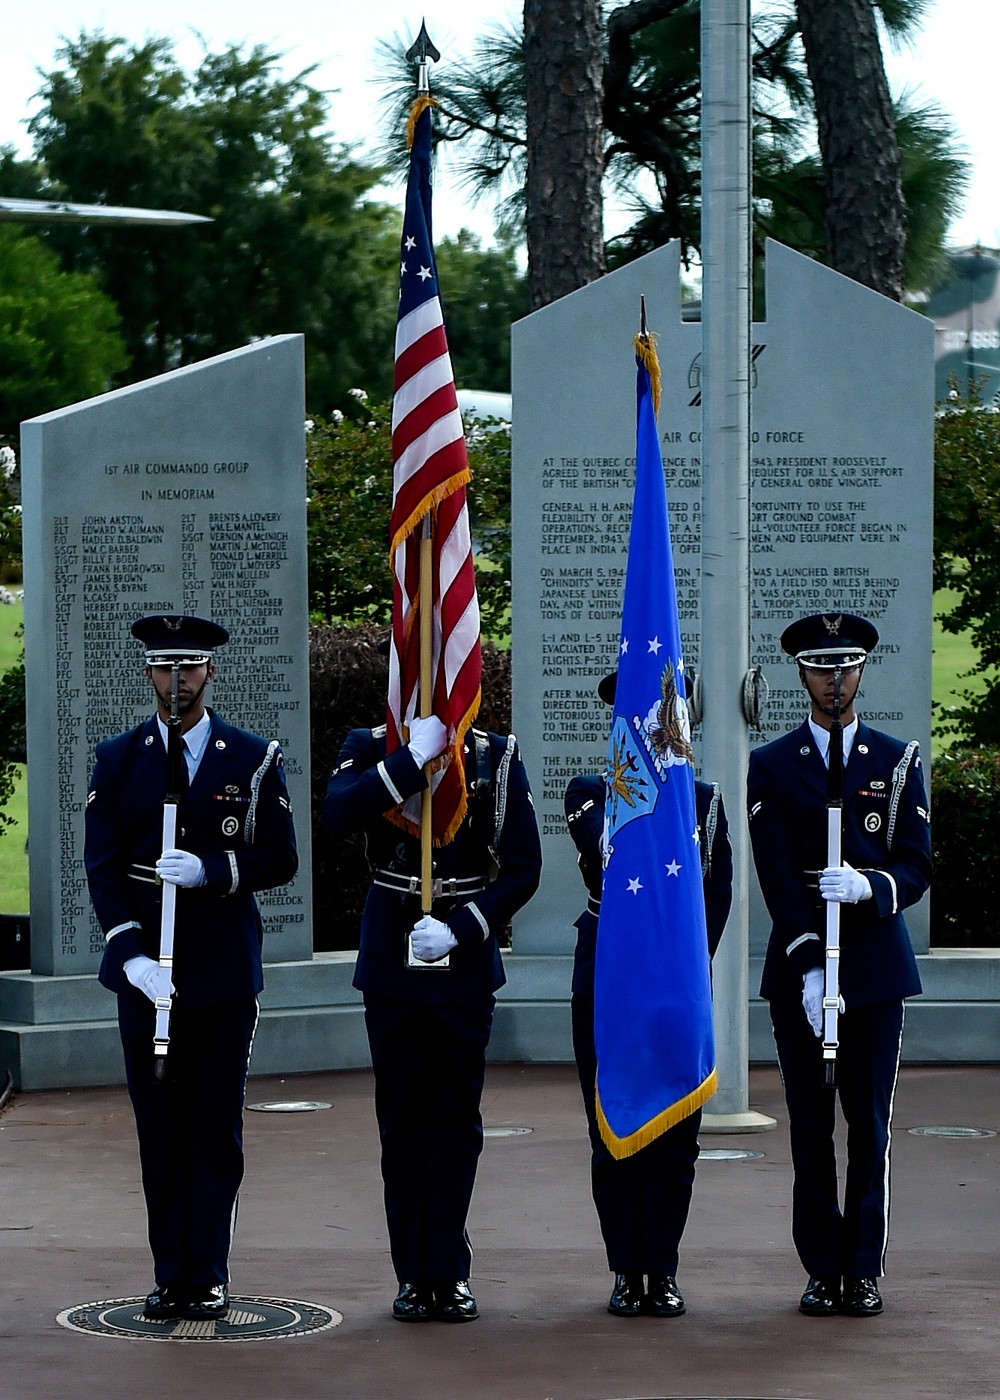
(634, 886)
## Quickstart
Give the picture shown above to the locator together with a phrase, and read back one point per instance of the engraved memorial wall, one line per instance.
(185, 493)
(841, 514)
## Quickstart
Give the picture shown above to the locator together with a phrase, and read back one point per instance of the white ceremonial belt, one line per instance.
(440, 888)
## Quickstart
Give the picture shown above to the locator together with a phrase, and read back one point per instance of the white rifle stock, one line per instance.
(168, 908)
(834, 816)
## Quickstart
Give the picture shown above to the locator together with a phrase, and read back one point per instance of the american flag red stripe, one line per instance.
(430, 472)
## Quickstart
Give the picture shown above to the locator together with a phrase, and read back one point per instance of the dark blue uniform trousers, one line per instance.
(190, 1130)
(642, 1201)
(430, 1064)
(830, 1242)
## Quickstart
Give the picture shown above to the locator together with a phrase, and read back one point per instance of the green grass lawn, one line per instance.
(13, 839)
(11, 617)
(951, 658)
(13, 853)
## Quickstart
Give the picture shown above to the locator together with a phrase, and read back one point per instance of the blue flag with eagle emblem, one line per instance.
(652, 993)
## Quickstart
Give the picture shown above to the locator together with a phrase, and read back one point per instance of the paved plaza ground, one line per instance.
(311, 1228)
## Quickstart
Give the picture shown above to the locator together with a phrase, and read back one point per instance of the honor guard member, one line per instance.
(886, 866)
(234, 836)
(429, 984)
(643, 1200)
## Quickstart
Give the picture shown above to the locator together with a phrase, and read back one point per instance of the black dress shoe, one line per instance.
(164, 1303)
(454, 1301)
(821, 1298)
(627, 1296)
(413, 1303)
(663, 1297)
(861, 1298)
(206, 1303)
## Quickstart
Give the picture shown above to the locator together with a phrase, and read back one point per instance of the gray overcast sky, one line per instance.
(953, 62)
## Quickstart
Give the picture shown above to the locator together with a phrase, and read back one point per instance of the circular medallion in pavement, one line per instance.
(953, 1132)
(289, 1106)
(728, 1154)
(248, 1320)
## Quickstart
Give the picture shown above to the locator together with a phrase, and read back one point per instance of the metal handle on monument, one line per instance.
(834, 814)
(168, 907)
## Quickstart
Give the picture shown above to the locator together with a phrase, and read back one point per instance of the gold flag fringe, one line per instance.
(645, 348)
(642, 1137)
(418, 109)
(429, 502)
(395, 815)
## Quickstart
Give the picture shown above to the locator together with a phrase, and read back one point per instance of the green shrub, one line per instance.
(967, 554)
(349, 492)
(965, 895)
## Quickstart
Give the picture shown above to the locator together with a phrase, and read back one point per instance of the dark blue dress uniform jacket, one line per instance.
(236, 816)
(358, 796)
(786, 804)
(584, 807)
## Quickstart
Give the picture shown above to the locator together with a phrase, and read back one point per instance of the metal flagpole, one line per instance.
(725, 546)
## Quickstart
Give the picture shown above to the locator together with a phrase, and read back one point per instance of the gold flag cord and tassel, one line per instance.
(645, 349)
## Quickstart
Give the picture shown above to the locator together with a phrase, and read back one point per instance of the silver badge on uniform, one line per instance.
(873, 821)
(230, 826)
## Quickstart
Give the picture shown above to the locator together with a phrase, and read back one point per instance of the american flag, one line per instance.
(430, 472)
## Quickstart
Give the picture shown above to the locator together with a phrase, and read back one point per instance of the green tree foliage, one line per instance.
(789, 192)
(965, 909)
(484, 293)
(296, 243)
(349, 475)
(967, 550)
(652, 118)
(59, 339)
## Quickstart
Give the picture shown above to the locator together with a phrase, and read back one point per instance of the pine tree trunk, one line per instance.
(865, 226)
(563, 61)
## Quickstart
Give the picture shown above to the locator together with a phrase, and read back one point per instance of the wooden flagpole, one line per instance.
(426, 620)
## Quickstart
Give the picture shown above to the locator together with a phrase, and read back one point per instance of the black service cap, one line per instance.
(830, 639)
(175, 639)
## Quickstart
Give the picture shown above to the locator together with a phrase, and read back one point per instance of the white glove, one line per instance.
(181, 868)
(428, 738)
(431, 939)
(812, 998)
(842, 884)
(148, 977)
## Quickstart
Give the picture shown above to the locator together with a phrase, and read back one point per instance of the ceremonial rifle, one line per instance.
(834, 815)
(168, 908)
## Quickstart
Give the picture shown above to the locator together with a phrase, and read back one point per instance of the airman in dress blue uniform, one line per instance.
(428, 1025)
(642, 1201)
(886, 867)
(235, 836)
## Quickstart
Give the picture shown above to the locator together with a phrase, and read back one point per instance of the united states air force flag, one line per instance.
(652, 995)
